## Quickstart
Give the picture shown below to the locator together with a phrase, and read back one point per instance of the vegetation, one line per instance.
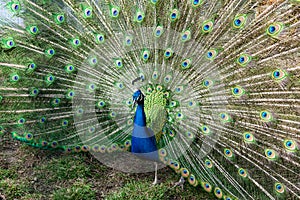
(27, 173)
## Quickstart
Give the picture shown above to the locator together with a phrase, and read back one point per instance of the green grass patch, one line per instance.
(8, 173)
(143, 189)
(78, 191)
(13, 189)
(64, 168)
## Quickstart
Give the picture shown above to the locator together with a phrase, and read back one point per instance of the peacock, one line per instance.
(210, 89)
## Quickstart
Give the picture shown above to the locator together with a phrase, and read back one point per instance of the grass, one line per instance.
(32, 174)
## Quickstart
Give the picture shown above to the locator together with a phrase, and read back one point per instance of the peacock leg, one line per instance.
(155, 178)
(180, 183)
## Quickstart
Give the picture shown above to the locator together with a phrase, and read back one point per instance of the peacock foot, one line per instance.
(180, 183)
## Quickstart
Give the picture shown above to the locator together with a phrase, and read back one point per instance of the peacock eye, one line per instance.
(248, 137)
(50, 79)
(42, 120)
(290, 145)
(15, 7)
(174, 15)
(114, 12)
(168, 78)
(76, 42)
(275, 29)
(33, 92)
(139, 17)
(70, 94)
(155, 75)
(185, 172)
(118, 63)
(33, 30)
(208, 83)
(145, 55)
(208, 164)
(238, 91)
(149, 90)
(15, 78)
(59, 18)
(99, 38)
(196, 3)
(79, 111)
(279, 75)
(55, 102)
(168, 53)
(206, 186)
(179, 89)
(128, 40)
(50, 52)
(154, 1)
(207, 26)
(32, 66)
(100, 104)
(96, 148)
(186, 36)
(239, 21)
(225, 117)
(205, 130)
(243, 173)
(158, 31)
(211, 54)
(112, 114)
(266, 116)
(28, 136)
(88, 12)
(10, 43)
(218, 193)
(271, 154)
(244, 59)
(69, 68)
(228, 153)
(279, 188)
(21, 121)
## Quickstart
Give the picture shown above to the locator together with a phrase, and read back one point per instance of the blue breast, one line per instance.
(143, 142)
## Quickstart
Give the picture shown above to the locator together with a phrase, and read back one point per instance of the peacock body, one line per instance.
(220, 85)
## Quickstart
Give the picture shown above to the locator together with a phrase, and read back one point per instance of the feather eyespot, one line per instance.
(218, 193)
(186, 36)
(228, 153)
(244, 59)
(279, 75)
(208, 164)
(174, 15)
(114, 11)
(275, 29)
(196, 3)
(207, 26)
(243, 173)
(271, 154)
(208, 83)
(158, 31)
(290, 145)
(279, 188)
(186, 64)
(248, 137)
(237, 91)
(239, 21)
(266, 116)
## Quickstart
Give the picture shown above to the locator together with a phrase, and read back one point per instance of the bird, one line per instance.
(218, 98)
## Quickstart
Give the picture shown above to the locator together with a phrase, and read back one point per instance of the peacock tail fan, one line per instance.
(221, 80)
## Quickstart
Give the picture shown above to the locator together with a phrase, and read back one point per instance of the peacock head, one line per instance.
(138, 98)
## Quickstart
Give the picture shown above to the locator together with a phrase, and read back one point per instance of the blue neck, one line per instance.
(140, 116)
